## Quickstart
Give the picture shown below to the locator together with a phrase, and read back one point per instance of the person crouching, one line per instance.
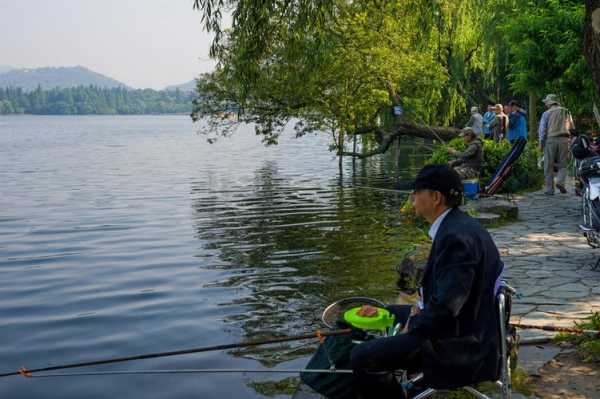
(468, 162)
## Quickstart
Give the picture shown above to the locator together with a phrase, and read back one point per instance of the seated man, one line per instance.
(468, 162)
(453, 337)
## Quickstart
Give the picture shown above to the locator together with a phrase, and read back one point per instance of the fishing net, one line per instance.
(335, 312)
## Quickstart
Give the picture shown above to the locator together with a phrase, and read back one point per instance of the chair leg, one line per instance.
(476, 393)
(425, 394)
(506, 389)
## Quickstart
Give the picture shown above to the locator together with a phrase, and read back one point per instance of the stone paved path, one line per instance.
(549, 262)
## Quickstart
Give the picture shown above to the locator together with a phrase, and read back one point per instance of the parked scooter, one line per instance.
(587, 173)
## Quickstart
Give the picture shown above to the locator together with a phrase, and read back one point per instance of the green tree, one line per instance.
(546, 53)
(339, 66)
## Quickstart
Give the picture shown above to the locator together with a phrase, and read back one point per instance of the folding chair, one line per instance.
(503, 301)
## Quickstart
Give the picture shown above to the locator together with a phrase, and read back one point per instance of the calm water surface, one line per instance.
(126, 235)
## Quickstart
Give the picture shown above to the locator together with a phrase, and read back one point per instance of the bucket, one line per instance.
(471, 188)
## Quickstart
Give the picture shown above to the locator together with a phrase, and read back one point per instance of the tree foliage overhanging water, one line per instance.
(339, 66)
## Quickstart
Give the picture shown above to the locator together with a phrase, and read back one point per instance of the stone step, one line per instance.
(488, 219)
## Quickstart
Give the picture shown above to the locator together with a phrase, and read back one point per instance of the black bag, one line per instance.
(334, 386)
(580, 147)
(589, 167)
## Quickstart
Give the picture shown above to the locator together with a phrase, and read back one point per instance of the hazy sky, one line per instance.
(142, 43)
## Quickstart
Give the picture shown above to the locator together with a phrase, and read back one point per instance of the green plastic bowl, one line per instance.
(381, 322)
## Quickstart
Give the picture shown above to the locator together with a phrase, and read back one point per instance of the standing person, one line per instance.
(554, 135)
(488, 117)
(517, 122)
(468, 162)
(499, 125)
(476, 121)
(453, 337)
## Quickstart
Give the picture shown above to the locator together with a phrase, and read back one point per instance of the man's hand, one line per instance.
(452, 151)
(414, 310)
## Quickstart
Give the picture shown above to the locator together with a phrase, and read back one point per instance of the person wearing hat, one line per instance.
(453, 337)
(554, 135)
(468, 162)
(476, 121)
(517, 122)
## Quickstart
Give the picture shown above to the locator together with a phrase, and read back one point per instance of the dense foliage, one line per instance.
(93, 100)
(525, 175)
(339, 66)
(546, 51)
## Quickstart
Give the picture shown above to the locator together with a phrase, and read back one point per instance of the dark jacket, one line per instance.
(472, 156)
(459, 323)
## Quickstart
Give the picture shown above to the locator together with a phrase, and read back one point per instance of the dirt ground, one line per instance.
(566, 376)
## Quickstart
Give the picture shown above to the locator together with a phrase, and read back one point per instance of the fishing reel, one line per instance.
(346, 312)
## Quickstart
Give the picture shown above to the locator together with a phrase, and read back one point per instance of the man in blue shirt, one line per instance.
(517, 122)
(488, 118)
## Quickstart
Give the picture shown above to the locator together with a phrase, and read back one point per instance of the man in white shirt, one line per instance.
(453, 338)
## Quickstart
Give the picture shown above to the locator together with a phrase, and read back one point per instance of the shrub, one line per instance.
(525, 174)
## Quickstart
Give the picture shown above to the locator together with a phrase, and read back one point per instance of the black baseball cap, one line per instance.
(440, 178)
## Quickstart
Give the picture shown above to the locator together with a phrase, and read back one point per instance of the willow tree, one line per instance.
(547, 55)
(338, 66)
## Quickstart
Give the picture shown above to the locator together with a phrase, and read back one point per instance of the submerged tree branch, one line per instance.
(409, 130)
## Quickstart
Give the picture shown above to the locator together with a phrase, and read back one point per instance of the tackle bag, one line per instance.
(334, 386)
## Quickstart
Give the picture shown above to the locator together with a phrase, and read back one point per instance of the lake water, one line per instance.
(121, 235)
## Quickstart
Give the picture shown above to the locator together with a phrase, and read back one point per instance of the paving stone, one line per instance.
(556, 294)
(525, 335)
(539, 273)
(555, 281)
(542, 318)
(518, 309)
(533, 357)
(572, 287)
(542, 300)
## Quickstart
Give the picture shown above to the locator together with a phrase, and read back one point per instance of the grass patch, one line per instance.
(522, 382)
(588, 346)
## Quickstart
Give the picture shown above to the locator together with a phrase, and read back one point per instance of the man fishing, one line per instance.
(453, 335)
(468, 163)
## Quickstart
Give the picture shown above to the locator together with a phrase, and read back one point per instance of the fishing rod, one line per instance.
(317, 335)
(377, 189)
(571, 330)
(320, 335)
(195, 371)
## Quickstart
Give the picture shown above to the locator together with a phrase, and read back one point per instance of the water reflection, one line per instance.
(289, 250)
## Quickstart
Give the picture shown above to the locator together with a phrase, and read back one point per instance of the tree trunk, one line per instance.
(591, 39)
(340, 149)
(354, 150)
(401, 129)
(427, 132)
(533, 118)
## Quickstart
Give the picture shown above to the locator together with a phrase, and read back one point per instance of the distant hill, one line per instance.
(186, 87)
(5, 68)
(61, 77)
